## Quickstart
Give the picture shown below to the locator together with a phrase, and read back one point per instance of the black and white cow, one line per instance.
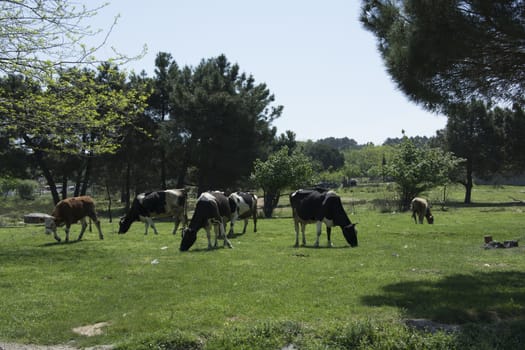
(212, 209)
(319, 205)
(145, 206)
(245, 206)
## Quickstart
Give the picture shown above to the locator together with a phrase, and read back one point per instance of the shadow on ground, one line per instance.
(458, 299)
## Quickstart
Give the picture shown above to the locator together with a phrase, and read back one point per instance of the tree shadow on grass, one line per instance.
(474, 298)
(459, 204)
(62, 242)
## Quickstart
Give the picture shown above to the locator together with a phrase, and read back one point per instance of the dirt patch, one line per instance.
(91, 330)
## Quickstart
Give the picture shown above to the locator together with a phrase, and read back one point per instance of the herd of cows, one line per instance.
(214, 209)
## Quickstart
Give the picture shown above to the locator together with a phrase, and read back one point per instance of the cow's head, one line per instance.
(350, 233)
(50, 223)
(189, 237)
(430, 218)
(123, 225)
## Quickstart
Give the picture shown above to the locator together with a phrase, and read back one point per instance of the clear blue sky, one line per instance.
(314, 56)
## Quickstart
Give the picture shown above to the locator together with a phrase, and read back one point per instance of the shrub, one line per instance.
(7, 184)
(26, 189)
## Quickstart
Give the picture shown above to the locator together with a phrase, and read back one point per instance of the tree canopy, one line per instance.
(283, 169)
(221, 120)
(441, 52)
(417, 169)
(79, 113)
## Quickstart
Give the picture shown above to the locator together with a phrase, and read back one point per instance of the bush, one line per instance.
(26, 189)
(7, 184)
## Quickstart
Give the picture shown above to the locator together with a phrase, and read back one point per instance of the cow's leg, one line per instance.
(97, 224)
(255, 220)
(329, 236)
(153, 227)
(218, 234)
(82, 229)
(296, 226)
(100, 234)
(150, 222)
(68, 226)
(414, 216)
(303, 230)
(245, 225)
(177, 222)
(234, 218)
(421, 216)
(208, 235)
(56, 235)
(227, 243)
(319, 228)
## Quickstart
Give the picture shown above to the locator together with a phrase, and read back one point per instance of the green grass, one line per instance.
(266, 294)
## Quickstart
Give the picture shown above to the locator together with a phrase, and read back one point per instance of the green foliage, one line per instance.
(282, 170)
(415, 169)
(511, 125)
(368, 161)
(208, 100)
(26, 189)
(440, 52)
(75, 113)
(328, 157)
(471, 133)
(40, 36)
(7, 184)
(340, 144)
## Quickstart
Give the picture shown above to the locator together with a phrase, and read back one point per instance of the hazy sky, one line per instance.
(314, 56)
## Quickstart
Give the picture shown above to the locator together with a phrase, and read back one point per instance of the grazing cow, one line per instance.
(145, 206)
(320, 206)
(245, 206)
(212, 209)
(421, 207)
(69, 211)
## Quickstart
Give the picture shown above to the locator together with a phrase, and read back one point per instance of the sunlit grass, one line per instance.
(142, 285)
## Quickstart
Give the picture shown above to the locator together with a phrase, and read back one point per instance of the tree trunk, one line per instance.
(108, 192)
(469, 183)
(271, 199)
(87, 176)
(78, 183)
(64, 186)
(127, 185)
(181, 180)
(163, 168)
(47, 174)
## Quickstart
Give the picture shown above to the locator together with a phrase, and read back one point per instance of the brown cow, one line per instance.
(70, 211)
(421, 207)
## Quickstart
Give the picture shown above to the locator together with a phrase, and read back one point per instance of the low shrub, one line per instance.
(26, 189)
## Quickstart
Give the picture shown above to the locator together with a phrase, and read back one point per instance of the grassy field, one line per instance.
(266, 294)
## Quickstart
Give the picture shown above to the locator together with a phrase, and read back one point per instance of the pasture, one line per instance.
(264, 293)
